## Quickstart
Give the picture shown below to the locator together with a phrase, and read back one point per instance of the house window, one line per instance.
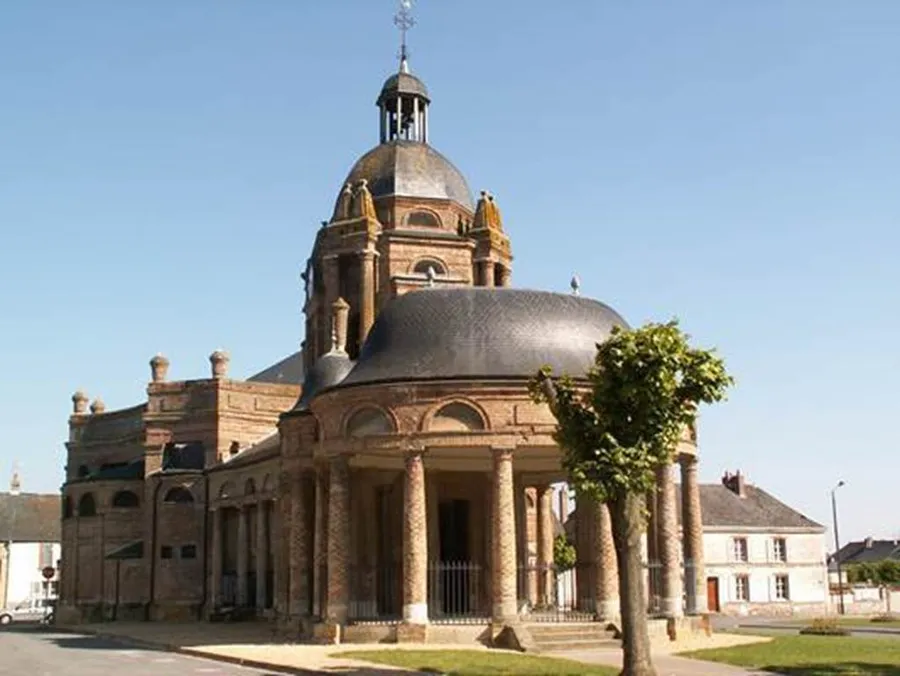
(165, 552)
(739, 547)
(189, 551)
(779, 549)
(45, 558)
(782, 588)
(742, 588)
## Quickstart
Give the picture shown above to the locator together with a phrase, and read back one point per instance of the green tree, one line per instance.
(616, 427)
(564, 554)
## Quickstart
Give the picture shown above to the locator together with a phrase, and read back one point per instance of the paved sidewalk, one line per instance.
(256, 645)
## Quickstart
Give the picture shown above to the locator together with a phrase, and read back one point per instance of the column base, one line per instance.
(415, 613)
(328, 632)
(608, 611)
(412, 632)
(505, 613)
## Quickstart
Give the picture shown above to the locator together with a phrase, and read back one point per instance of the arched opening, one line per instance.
(423, 219)
(126, 499)
(227, 491)
(268, 485)
(179, 495)
(457, 417)
(369, 421)
(422, 266)
(87, 506)
(83, 471)
(249, 487)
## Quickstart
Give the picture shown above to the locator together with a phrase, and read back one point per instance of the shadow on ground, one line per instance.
(843, 669)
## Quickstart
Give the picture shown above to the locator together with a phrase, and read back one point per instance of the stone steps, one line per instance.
(563, 637)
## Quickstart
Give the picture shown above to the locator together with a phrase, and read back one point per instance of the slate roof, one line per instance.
(267, 447)
(411, 169)
(30, 517)
(119, 471)
(722, 508)
(868, 551)
(480, 333)
(288, 371)
(329, 370)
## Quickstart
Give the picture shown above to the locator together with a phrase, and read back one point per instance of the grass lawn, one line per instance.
(867, 622)
(814, 656)
(478, 663)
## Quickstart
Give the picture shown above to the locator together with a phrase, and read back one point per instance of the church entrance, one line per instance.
(456, 570)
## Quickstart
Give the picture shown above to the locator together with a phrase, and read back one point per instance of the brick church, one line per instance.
(391, 480)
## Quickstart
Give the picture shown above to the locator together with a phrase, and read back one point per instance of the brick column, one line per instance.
(415, 542)
(545, 544)
(320, 543)
(262, 553)
(521, 540)
(281, 528)
(486, 272)
(243, 554)
(366, 293)
(504, 538)
(298, 555)
(338, 541)
(692, 520)
(606, 572)
(670, 576)
(215, 574)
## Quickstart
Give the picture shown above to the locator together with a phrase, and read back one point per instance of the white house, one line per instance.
(30, 536)
(762, 556)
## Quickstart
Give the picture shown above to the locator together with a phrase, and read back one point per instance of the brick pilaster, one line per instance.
(670, 573)
(281, 527)
(504, 538)
(262, 552)
(215, 573)
(338, 541)
(692, 526)
(367, 293)
(320, 542)
(545, 544)
(415, 542)
(606, 572)
(243, 554)
(298, 555)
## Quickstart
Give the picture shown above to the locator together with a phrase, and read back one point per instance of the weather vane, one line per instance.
(404, 20)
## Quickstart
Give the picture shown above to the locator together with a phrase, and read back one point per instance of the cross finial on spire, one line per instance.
(404, 20)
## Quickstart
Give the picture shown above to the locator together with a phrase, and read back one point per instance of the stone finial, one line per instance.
(159, 368)
(219, 361)
(575, 284)
(97, 406)
(363, 204)
(345, 204)
(79, 403)
(481, 216)
(495, 220)
(15, 483)
(340, 312)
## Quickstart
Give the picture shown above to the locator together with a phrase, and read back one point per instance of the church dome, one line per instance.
(482, 333)
(411, 169)
(329, 370)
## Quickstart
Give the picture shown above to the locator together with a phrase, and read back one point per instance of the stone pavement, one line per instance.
(256, 645)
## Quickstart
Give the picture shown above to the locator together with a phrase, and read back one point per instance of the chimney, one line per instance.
(97, 406)
(79, 403)
(869, 542)
(340, 311)
(735, 483)
(219, 361)
(159, 368)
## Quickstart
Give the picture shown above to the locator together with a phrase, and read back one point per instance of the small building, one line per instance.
(30, 531)
(762, 556)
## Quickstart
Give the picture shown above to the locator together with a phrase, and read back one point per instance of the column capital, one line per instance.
(367, 254)
(504, 452)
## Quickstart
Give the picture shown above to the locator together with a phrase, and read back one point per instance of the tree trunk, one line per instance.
(627, 527)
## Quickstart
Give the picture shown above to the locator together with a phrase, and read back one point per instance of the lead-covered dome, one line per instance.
(329, 370)
(482, 333)
(411, 169)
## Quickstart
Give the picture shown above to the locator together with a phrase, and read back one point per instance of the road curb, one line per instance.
(192, 652)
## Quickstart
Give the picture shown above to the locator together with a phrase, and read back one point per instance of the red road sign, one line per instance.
(49, 572)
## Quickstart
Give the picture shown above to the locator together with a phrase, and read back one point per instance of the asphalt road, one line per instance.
(25, 651)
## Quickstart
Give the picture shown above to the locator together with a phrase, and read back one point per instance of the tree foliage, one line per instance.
(641, 394)
(886, 572)
(565, 555)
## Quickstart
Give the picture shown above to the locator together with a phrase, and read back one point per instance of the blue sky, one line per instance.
(163, 167)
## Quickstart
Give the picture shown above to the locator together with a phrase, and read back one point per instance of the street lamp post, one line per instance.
(837, 545)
